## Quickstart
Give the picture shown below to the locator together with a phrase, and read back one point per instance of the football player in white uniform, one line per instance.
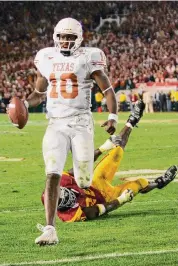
(66, 73)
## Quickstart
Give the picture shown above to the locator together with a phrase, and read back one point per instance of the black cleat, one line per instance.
(137, 113)
(169, 175)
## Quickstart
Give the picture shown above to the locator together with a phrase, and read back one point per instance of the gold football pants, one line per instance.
(104, 174)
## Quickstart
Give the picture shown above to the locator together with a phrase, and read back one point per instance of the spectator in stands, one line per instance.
(157, 101)
(104, 105)
(172, 100)
(176, 99)
(168, 101)
(163, 102)
(2, 105)
(122, 102)
(98, 99)
(148, 100)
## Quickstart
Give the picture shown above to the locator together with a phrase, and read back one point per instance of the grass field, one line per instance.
(144, 232)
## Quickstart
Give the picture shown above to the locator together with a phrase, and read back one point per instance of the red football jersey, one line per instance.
(86, 197)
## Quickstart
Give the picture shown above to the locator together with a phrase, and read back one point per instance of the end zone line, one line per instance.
(88, 258)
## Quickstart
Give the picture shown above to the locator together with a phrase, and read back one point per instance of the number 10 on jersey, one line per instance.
(67, 81)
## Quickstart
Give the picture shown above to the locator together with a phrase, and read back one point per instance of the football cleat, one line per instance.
(48, 237)
(169, 175)
(137, 113)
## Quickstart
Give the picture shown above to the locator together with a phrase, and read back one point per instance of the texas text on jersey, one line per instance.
(69, 79)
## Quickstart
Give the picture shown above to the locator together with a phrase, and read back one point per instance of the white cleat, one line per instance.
(48, 237)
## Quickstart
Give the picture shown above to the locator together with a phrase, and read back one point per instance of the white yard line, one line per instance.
(140, 171)
(13, 132)
(22, 210)
(7, 159)
(146, 173)
(95, 257)
(29, 123)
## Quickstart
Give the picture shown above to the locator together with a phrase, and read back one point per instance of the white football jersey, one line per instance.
(69, 79)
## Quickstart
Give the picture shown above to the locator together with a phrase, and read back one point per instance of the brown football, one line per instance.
(17, 112)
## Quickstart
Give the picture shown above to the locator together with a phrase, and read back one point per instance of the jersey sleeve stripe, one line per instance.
(79, 216)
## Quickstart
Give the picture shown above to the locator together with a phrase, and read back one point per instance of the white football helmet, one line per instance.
(67, 199)
(68, 26)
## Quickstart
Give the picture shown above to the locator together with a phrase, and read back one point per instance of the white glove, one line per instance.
(126, 196)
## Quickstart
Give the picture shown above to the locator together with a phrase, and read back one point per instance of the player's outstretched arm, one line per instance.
(99, 209)
(104, 84)
(38, 95)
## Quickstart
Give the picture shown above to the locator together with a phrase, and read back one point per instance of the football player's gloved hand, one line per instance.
(126, 196)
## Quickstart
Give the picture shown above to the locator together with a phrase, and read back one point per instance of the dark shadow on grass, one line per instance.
(120, 216)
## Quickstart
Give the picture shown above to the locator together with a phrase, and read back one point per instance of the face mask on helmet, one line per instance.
(67, 199)
(68, 36)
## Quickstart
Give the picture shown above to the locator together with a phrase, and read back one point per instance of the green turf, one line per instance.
(149, 223)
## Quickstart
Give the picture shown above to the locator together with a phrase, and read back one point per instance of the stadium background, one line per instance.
(140, 42)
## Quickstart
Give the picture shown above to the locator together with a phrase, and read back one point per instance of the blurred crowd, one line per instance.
(145, 47)
(142, 47)
(159, 101)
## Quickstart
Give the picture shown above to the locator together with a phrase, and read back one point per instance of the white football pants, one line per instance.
(75, 134)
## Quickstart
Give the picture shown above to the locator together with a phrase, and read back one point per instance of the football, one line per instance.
(17, 112)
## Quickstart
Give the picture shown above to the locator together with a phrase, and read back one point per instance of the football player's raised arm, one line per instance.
(39, 93)
(104, 84)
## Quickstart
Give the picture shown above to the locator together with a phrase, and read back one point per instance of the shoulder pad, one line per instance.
(41, 54)
(97, 56)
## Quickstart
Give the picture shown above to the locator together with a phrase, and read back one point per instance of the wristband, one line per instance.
(109, 88)
(101, 209)
(26, 104)
(39, 92)
(113, 117)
